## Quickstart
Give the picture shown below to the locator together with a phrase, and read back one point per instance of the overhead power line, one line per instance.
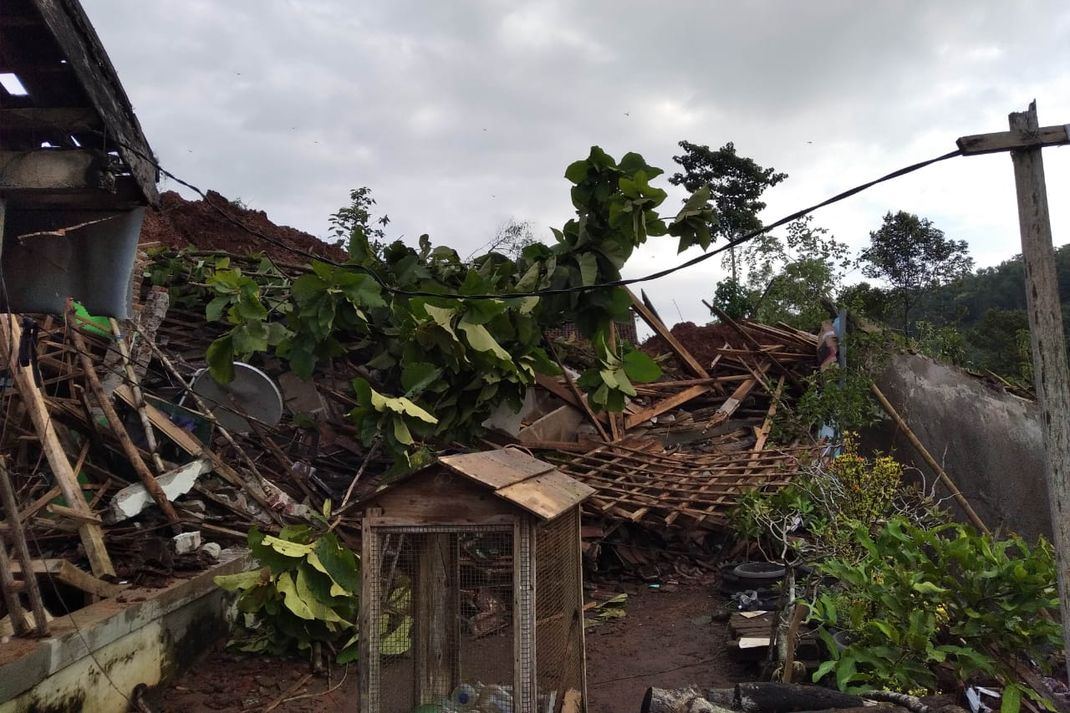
(563, 290)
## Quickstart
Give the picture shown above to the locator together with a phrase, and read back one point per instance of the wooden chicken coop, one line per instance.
(472, 594)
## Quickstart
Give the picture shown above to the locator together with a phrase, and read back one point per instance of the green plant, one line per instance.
(933, 608)
(850, 490)
(304, 593)
(454, 360)
(944, 343)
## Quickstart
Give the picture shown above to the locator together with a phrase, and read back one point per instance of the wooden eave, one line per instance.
(75, 100)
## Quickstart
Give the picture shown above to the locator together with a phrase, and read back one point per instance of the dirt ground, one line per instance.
(666, 639)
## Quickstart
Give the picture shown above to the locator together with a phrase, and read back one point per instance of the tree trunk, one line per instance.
(687, 700)
(766, 697)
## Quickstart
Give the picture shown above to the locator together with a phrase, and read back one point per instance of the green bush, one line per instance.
(306, 591)
(931, 608)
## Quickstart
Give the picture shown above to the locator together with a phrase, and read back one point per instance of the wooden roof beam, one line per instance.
(64, 120)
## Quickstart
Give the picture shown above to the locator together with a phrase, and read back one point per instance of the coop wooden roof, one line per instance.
(532, 484)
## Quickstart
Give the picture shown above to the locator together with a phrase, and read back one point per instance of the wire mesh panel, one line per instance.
(559, 612)
(441, 610)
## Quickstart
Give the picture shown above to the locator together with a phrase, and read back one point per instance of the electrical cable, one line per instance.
(563, 290)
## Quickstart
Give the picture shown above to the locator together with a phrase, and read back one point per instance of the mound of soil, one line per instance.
(702, 342)
(199, 224)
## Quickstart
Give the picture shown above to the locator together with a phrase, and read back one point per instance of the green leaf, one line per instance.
(1012, 699)
(399, 640)
(846, 669)
(928, 588)
(443, 317)
(588, 263)
(242, 580)
(287, 548)
(220, 358)
(481, 340)
(320, 611)
(401, 432)
(576, 171)
(214, 311)
(293, 601)
(340, 563)
(823, 670)
(417, 376)
(368, 396)
(640, 368)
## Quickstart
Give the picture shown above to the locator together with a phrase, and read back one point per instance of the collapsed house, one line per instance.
(128, 481)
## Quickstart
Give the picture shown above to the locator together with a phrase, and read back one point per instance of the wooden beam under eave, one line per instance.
(1014, 140)
(63, 120)
(80, 44)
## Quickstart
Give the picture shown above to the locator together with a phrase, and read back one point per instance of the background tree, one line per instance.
(509, 239)
(736, 184)
(787, 277)
(731, 298)
(353, 226)
(913, 256)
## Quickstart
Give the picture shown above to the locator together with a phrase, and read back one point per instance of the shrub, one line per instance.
(930, 608)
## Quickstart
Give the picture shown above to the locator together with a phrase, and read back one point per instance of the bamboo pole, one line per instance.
(116, 425)
(139, 397)
(22, 552)
(928, 458)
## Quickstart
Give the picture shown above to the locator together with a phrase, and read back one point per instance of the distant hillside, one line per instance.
(988, 309)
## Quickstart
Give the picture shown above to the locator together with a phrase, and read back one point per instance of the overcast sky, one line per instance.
(462, 114)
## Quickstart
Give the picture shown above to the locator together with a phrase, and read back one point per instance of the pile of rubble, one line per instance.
(144, 481)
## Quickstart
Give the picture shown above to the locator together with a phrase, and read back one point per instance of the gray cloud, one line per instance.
(462, 114)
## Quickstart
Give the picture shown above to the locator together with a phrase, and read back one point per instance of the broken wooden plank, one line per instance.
(118, 430)
(91, 535)
(732, 402)
(576, 391)
(65, 572)
(689, 362)
(665, 404)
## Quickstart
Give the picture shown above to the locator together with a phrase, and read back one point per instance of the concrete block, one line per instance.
(187, 542)
(131, 500)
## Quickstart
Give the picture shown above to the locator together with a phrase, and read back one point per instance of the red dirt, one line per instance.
(181, 223)
(666, 639)
(702, 342)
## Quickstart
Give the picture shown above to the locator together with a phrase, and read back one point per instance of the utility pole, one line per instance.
(1025, 141)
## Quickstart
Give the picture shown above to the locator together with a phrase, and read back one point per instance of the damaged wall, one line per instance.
(146, 640)
(50, 255)
(989, 441)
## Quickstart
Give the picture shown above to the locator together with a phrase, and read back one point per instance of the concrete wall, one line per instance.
(146, 639)
(989, 441)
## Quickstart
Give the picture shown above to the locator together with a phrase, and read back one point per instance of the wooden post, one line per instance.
(1049, 345)
(22, 552)
(436, 600)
